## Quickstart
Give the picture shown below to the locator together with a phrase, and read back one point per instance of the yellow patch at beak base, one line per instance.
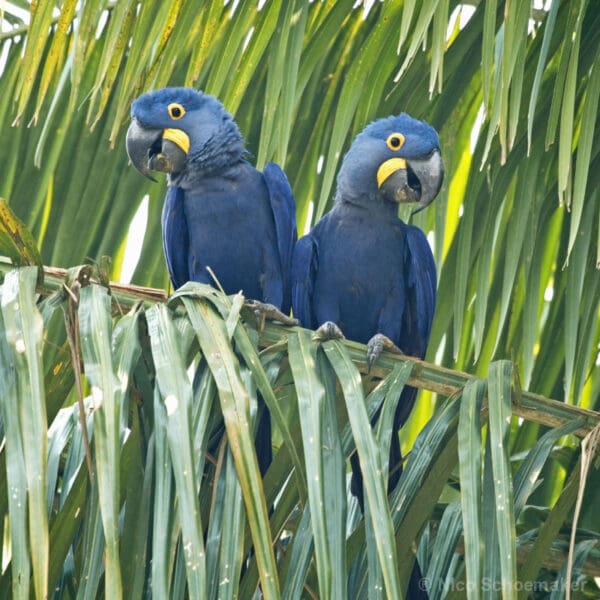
(388, 167)
(178, 137)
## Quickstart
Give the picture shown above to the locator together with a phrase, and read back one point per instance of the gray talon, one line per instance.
(328, 331)
(376, 345)
(264, 310)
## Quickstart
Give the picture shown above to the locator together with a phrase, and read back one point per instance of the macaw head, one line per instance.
(396, 159)
(176, 130)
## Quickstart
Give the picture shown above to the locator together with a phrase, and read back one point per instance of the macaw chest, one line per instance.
(360, 275)
(233, 234)
(365, 258)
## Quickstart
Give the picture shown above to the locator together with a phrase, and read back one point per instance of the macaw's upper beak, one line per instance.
(411, 180)
(156, 149)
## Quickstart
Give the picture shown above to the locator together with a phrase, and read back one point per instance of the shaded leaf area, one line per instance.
(173, 504)
(514, 94)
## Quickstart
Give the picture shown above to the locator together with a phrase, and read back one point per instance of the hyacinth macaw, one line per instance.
(362, 272)
(220, 213)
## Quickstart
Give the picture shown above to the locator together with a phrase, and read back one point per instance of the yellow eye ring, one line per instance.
(395, 141)
(176, 111)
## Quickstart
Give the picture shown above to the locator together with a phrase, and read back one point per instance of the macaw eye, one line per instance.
(176, 111)
(395, 141)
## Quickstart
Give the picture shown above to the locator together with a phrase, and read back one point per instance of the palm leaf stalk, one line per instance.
(423, 375)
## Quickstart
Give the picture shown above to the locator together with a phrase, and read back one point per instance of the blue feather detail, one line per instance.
(284, 215)
(304, 267)
(175, 236)
(421, 291)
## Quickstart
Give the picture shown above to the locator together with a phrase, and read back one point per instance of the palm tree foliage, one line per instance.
(516, 236)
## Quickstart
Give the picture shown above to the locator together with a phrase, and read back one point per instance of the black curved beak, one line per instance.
(139, 142)
(153, 149)
(412, 180)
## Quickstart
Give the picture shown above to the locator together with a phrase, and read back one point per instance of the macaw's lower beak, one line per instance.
(411, 180)
(156, 149)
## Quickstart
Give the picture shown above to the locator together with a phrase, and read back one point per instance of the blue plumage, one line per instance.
(364, 269)
(220, 213)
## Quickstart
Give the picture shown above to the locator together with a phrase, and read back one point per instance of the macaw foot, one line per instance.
(376, 345)
(328, 331)
(264, 311)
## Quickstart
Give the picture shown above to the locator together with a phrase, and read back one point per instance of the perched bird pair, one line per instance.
(360, 272)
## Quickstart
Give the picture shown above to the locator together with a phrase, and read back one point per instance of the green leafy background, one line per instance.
(515, 232)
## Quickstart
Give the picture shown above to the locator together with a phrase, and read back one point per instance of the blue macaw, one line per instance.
(220, 213)
(362, 272)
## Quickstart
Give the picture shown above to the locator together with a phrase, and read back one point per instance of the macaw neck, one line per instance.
(374, 203)
(200, 168)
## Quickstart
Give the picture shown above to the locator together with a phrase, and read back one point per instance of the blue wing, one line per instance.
(284, 215)
(421, 282)
(175, 237)
(420, 292)
(304, 267)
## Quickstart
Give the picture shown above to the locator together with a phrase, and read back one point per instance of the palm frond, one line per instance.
(174, 448)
